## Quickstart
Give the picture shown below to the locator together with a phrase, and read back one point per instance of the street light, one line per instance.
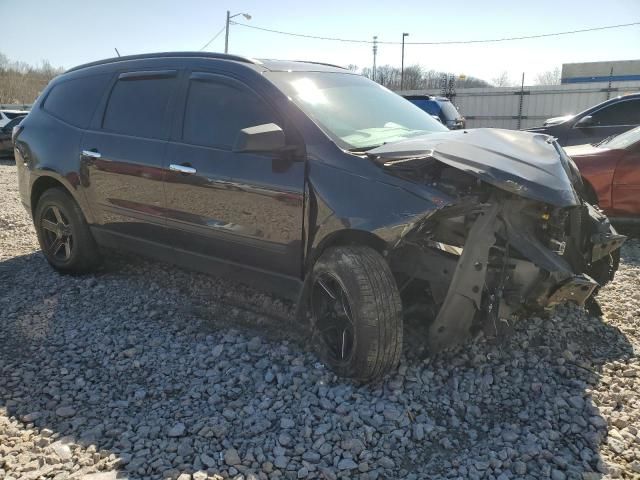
(226, 33)
(402, 67)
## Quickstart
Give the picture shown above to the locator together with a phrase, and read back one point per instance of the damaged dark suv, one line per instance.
(314, 182)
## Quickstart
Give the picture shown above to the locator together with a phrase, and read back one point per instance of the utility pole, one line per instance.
(226, 28)
(402, 63)
(375, 52)
(226, 33)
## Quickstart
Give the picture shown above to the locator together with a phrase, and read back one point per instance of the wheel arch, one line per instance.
(346, 237)
(48, 180)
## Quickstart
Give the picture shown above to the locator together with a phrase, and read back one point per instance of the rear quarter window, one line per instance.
(74, 101)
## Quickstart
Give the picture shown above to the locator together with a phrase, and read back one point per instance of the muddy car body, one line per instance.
(332, 190)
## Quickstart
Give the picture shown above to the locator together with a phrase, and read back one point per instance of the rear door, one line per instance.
(610, 120)
(244, 208)
(123, 154)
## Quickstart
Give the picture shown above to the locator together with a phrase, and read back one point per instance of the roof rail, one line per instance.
(222, 56)
(321, 63)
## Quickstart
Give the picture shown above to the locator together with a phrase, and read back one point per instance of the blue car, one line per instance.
(439, 107)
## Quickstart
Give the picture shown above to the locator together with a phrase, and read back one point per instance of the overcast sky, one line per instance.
(70, 32)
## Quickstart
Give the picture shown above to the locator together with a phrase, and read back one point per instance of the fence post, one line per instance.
(521, 101)
(609, 87)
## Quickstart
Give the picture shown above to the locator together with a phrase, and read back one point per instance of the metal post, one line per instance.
(402, 62)
(375, 52)
(609, 87)
(226, 33)
(521, 102)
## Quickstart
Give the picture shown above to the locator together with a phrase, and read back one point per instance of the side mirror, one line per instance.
(261, 138)
(586, 121)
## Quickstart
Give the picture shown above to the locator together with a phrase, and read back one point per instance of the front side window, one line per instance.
(138, 106)
(356, 113)
(216, 111)
(626, 112)
(75, 101)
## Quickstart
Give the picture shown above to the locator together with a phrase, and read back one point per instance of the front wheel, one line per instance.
(63, 233)
(356, 312)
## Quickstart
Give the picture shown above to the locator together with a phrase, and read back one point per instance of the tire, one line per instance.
(359, 277)
(58, 217)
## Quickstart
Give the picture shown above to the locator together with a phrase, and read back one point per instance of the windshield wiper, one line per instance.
(364, 149)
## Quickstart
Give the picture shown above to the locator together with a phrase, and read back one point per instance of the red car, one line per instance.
(611, 170)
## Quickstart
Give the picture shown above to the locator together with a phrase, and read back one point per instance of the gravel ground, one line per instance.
(147, 371)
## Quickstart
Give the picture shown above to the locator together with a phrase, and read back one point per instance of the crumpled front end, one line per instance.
(496, 253)
(496, 259)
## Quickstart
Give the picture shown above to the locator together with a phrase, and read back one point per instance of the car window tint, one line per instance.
(12, 115)
(216, 112)
(623, 113)
(75, 101)
(138, 106)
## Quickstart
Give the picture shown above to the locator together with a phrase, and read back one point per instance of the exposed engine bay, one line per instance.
(500, 249)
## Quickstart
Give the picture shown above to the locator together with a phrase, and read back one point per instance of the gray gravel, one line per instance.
(147, 371)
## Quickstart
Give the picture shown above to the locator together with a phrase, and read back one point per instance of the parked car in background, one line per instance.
(440, 108)
(7, 115)
(611, 172)
(593, 125)
(6, 143)
(313, 181)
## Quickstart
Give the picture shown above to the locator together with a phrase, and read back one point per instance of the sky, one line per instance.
(71, 32)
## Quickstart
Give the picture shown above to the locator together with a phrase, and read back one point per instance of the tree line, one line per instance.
(22, 83)
(417, 78)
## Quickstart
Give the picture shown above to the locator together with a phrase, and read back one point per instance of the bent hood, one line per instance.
(526, 164)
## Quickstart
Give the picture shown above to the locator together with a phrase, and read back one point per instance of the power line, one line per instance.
(449, 42)
(213, 38)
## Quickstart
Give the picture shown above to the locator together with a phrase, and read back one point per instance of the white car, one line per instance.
(7, 115)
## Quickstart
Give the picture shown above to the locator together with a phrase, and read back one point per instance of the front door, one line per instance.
(123, 155)
(610, 120)
(244, 208)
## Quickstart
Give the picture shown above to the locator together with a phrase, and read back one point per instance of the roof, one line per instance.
(266, 64)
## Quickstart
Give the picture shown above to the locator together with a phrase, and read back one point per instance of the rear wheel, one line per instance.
(356, 312)
(63, 233)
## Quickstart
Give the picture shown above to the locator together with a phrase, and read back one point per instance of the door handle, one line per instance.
(91, 153)
(186, 169)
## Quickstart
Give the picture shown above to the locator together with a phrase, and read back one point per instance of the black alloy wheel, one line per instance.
(333, 318)
(57, 234)
(63, 233)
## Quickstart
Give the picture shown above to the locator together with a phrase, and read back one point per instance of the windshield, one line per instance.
(623, 140)
(354, 112)
(449, 111)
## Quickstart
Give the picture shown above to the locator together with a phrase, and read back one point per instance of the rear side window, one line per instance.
(138, 105)
(75, 101)
(623, 113)
(216, 111)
